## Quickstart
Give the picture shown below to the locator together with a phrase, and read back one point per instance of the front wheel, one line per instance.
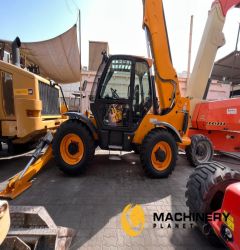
(200, 150)
(159, 153)
(73, 147)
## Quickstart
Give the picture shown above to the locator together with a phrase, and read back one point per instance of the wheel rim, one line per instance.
(164, 147)
(72, 149)
(203, 152)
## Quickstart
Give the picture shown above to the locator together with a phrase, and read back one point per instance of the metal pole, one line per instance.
(189, 50)
(236, 47)
(234, 61)
(80, 46)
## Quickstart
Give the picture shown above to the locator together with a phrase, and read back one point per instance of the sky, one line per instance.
(115, 21)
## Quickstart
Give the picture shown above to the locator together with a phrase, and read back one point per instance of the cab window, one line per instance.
(116, 84)
(142, 92)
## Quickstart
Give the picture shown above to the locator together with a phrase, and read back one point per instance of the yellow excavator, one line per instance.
(130, 109)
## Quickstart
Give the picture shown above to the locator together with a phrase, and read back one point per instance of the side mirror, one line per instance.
(52, 83)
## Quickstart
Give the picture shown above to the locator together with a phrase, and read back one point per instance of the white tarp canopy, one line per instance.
(57, 58)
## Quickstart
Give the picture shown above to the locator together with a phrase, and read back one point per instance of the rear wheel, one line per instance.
(205, 191)
(158, 153)
(73, 147)
(200, 150)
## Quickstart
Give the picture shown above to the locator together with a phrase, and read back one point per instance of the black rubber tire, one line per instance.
(150, 140)
(205, 190)
(136, 148)
(192, 150)
(78, 128)
(14, 149)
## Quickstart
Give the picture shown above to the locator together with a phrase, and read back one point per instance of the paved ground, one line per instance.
(92, 203)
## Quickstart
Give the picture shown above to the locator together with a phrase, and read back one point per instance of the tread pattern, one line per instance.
(191, 149)
(206, 180)
(146, 149)
(74, 126)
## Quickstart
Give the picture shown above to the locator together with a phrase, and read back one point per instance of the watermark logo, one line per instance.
(133, 220)
(184, 220)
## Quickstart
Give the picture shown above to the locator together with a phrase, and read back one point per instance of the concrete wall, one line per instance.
(217, 90)
(69, 89)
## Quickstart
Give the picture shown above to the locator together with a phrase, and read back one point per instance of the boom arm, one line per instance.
(212, 39)
(165, 75)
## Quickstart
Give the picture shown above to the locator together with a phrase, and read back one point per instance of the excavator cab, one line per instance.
(121, 98)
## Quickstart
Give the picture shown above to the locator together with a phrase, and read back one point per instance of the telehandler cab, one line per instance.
(130, 109)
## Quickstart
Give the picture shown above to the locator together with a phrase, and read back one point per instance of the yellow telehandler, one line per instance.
(130, 109)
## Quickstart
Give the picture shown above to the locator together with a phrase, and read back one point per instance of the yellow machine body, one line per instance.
(29, 106)
(172, 106)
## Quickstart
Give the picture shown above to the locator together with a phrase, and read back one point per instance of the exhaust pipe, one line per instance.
(16, 44)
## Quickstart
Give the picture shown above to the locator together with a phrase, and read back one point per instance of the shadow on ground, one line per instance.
(92, 203)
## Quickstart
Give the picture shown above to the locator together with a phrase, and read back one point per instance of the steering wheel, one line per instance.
(114, 94)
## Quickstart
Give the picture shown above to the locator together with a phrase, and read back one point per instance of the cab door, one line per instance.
(113, 104)
(115, 95)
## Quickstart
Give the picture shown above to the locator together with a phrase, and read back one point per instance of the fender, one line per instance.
(170, 128)
(81, 117)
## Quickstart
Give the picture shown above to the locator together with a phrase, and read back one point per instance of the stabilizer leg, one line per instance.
(17, 184)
